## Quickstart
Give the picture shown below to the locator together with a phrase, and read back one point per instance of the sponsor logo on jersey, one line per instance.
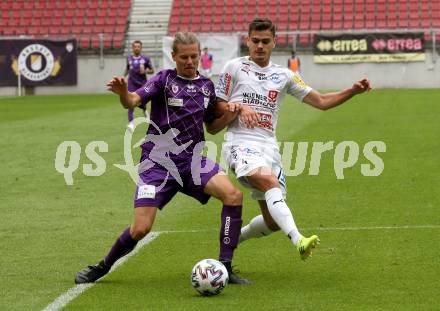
(299, 81)
(265, 121)
(224, 83)
(206, 101)
(260, 76)
(147, 87)
(275, 78)
(255, 99)
(177, 102)
(246, 68)
(273, 95)
(190, 88)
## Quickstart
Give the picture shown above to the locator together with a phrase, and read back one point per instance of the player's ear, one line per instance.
(248, 41)
(173, 56)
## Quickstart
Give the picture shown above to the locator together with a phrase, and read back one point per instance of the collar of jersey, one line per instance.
(248, 58)
(189, 79)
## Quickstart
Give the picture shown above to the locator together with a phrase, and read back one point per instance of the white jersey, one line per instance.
(263, 89)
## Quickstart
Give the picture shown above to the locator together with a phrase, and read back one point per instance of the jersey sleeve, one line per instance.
(128, 64)
(151, 89)
(296, 86)
(148, 63)
(226, 81)
(209, 115)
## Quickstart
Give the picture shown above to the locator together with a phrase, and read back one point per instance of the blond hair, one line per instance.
(184, 38)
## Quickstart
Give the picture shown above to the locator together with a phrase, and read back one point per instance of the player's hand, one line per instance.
(233, 107)
(361, 86)
(248, 116)
(117, 85)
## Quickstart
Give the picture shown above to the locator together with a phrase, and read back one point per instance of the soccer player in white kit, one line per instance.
(249, 94)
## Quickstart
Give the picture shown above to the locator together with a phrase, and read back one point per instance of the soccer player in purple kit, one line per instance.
(181, 100)
(138, 66)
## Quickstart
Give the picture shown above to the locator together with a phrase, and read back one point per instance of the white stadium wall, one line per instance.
(92, 78)
(383, 75)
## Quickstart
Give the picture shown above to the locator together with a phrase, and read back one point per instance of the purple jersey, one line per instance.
(178, 105)
(135, 78)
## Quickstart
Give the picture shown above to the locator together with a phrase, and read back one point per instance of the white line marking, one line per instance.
(374, 228)
(74, 292)
(385, 227)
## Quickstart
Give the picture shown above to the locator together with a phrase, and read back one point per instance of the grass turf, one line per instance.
(48, 230)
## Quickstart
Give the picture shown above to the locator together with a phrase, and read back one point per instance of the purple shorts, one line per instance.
(158, 185)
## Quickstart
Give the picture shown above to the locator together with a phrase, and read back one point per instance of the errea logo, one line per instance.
(191, 88)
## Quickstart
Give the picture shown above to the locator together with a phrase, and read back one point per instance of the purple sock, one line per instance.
(130, 114)
(229, 231)
(123, 245)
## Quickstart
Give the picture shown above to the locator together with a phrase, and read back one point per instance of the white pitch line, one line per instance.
(74, 292)
(385, 227)
(374, 228)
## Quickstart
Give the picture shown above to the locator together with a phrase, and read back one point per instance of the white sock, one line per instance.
(281, 213)
(256, 228)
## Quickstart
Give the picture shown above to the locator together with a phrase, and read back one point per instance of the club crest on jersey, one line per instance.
(272, 95)
(205, 91)
(174, 88)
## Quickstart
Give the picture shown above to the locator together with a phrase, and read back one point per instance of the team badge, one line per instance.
(36, 63)
(174, 88)
(273, 95)
(205, 91)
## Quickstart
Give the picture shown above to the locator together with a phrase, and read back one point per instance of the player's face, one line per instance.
(137, 48)
(261, 44)
(187, 59)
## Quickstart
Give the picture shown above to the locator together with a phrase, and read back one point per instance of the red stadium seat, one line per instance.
(84, 42)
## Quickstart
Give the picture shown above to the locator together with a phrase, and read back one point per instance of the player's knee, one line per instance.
(140, 231)
(233, 197)
(264, 182)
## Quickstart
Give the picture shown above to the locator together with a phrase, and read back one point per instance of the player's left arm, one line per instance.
(149, 67)
(330, 100)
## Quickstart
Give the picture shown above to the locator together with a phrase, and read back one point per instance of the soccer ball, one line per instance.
(209, 277)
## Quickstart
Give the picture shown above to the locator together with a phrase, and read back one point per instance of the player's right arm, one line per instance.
(224, 113)
(118, 85)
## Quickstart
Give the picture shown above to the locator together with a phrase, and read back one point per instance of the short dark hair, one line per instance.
(262, 24)
(136, 41)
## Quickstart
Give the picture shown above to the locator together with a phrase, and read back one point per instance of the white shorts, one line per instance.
(243, 159)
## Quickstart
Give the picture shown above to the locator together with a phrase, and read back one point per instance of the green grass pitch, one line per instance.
(380, 236)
